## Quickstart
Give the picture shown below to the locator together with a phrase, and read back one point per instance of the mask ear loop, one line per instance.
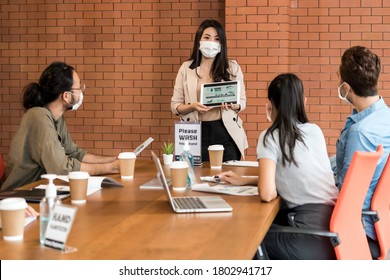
(72, 100)
(268, 112)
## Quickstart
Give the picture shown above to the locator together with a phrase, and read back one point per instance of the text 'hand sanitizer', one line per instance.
(47, 204)
(187, 157)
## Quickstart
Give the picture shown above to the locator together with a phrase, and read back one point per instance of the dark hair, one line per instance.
(286, 94)
(220, 68)
(55, 79)
(360, 68)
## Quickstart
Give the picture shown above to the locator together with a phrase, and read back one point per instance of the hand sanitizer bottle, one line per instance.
(187, 156)
(47, 204)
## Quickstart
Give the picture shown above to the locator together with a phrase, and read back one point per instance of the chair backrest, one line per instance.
(346, 219)
(380, 202)
(2, 167)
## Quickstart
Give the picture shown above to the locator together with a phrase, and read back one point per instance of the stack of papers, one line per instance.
(227, 189)
(94, 183)
(241, 163)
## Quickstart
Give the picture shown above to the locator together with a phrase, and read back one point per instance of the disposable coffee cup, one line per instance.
(13, 211)
(78, 184)
(216, 155)
(127, 164)
(179, 171)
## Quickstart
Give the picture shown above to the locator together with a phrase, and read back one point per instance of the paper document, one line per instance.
(94, 183)
(241, 163)
(227, 189)
(211, 179)
(66, 188)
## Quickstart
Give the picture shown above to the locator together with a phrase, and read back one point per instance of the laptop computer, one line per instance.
(190, 204)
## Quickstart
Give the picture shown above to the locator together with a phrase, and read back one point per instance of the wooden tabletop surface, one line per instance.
(127, 222)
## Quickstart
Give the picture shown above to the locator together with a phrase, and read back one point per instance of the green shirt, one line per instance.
(41, 146)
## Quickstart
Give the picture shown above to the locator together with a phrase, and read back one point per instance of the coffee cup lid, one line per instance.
(179, 164)
(13, 203)
(125, 155)
(216, 148)
(78, 175)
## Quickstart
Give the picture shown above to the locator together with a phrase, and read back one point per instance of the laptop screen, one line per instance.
(161, 177)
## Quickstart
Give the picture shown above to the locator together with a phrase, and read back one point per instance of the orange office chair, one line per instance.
(380, 212)
(346, 232)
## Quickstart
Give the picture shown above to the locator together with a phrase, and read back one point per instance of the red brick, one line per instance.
(129, 53)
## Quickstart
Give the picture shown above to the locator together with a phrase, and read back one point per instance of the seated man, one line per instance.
(367, 127)
(42, 143)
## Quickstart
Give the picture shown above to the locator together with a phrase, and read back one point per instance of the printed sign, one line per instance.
(191, 132)
(59, 226)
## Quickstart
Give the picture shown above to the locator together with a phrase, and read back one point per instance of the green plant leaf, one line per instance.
(168, 147)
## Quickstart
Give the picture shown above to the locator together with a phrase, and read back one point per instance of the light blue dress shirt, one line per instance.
(364, 131)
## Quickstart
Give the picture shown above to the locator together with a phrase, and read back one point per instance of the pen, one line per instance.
(216, 178)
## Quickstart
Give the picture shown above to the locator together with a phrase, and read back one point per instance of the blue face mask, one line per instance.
(345, 97)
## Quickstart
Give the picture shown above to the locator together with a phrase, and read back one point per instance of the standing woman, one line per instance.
(209, 63)
(294, 164)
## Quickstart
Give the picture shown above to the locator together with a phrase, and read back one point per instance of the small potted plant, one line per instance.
(168, 148)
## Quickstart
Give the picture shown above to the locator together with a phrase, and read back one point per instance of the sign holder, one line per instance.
(59, 226)
(191, 132)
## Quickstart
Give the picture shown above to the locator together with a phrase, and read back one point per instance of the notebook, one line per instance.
(33, 195)
(190, 204)
(214, 94)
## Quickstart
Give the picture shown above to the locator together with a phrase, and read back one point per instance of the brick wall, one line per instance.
(128, 53)
(306, 37)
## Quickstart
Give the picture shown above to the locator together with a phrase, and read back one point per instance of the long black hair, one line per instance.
(55, 79)
(220, 68)
(286, 94)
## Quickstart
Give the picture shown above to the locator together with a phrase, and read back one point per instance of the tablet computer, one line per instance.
(214, 94)
(141, 147)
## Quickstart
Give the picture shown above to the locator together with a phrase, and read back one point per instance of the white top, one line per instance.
(312, 181)
(13, 203)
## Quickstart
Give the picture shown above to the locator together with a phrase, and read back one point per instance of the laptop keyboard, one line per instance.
(189, 203)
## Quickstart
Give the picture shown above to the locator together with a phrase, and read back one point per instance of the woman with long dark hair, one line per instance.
(209, 63)
(294, 164)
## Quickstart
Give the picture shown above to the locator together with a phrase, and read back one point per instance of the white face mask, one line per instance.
(345, 97)
(78, 104)
(210, 49)
(268, 112)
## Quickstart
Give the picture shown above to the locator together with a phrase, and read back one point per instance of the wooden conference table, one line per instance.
(122, 223)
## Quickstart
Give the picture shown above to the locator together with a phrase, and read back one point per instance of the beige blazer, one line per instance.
(185, 93)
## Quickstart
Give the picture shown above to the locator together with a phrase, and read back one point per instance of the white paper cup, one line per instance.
(216, 155)
(127, 164)
(78, 185)
(179, 171)
(13, 211)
